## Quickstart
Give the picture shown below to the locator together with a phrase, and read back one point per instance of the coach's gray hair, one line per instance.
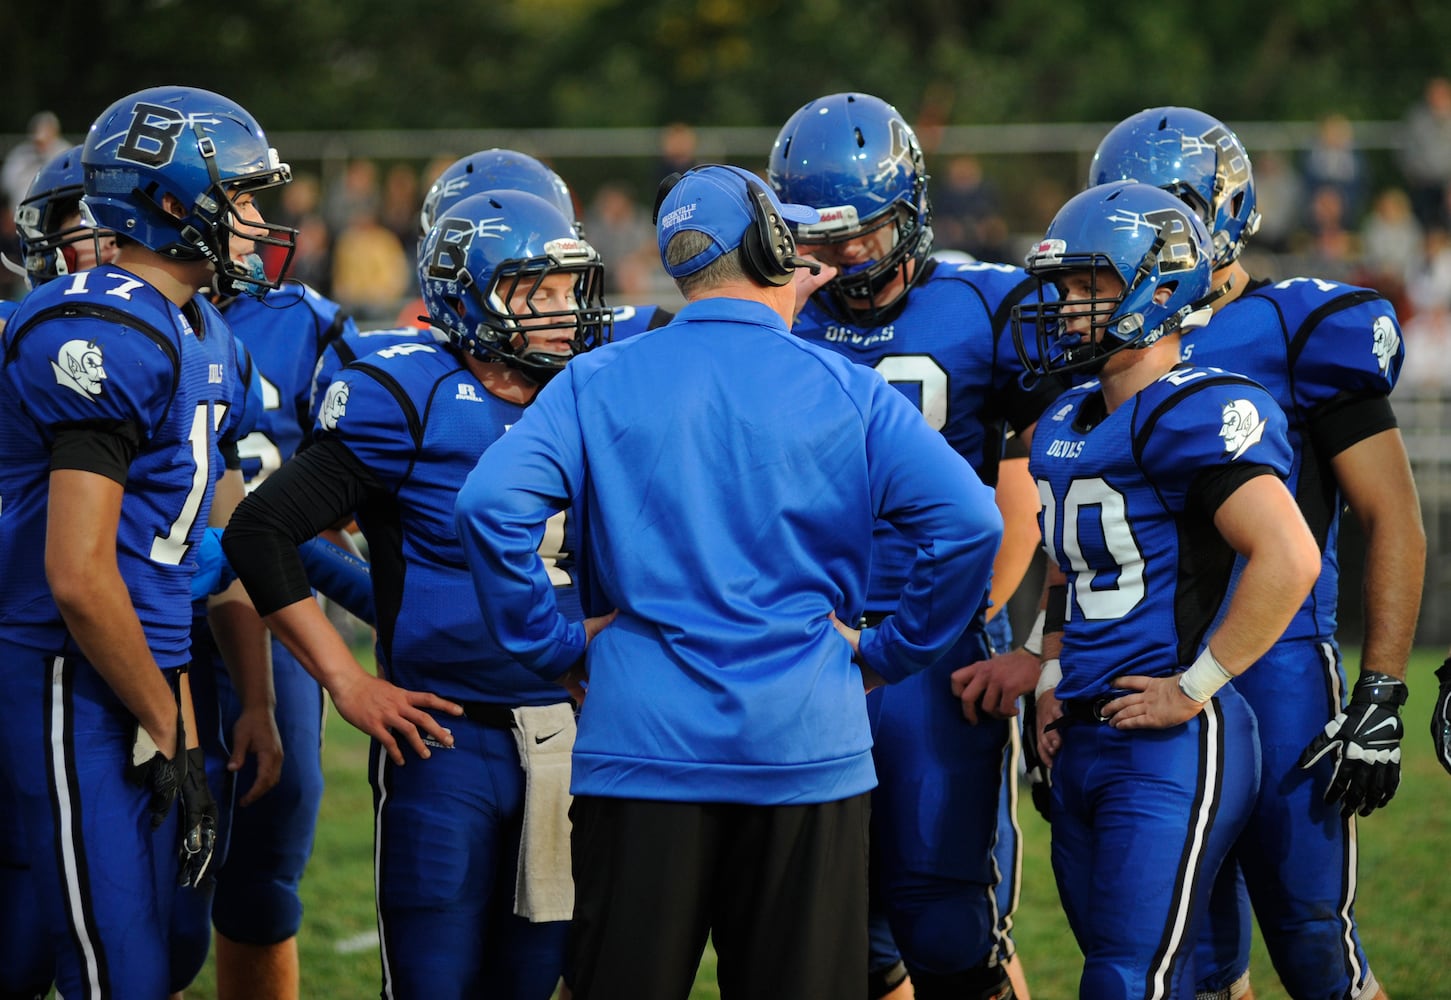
(725, 269)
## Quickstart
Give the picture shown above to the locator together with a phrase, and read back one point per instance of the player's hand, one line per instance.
(1048, 710)
(213, 574)
(1441, 716)
(256, 734)
(993, 686)
(871, 680)
(1157, 703)
(161, 774)
(381, 709)
(1040, 778)
(575, 680)
(1365, 740)
(807, 284)
(198, 823)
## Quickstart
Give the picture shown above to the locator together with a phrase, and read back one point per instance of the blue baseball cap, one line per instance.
(716, 200)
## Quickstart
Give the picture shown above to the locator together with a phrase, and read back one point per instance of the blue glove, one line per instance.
(214, 574)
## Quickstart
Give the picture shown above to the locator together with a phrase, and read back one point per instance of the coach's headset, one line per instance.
(768, 250)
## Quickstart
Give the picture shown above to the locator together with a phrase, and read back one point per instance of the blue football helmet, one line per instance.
(853, 158)
(1142, 235)
(201, 149)
(1194, 156)
(487, 248)
(47, 244)
(495, 170)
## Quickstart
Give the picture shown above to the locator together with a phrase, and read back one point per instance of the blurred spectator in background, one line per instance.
(1428, 332)
(401, 203)
(370, 269)
(301, 208)
(967, 211)
(356, 193)
(12, 282)
(1426, 152)
(615, 226)
(1333, 161)
(1280, 194)
(678, 144)
(1391, 246)
(1329, 241)
(24, 161)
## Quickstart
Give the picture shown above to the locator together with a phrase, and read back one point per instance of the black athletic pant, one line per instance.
(782, 890)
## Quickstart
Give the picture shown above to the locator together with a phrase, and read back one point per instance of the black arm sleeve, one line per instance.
(1213, 486)
(106, 449)
(1349, 419)
(310, 492)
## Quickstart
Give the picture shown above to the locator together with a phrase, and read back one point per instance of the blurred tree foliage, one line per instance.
(358, 64)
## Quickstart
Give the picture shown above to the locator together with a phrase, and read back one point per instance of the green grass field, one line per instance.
(1405, 880)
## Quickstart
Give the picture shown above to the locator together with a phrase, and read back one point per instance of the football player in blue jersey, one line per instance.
(119, 387)
(1330, 354)
(938, 331)
(1153, 476)
(466, 905)
(265, 844)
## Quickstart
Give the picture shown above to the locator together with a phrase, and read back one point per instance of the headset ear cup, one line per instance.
(767, 245)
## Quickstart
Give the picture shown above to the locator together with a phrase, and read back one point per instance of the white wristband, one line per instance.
(1049, 677)
(1034, 642)
(1204, 677)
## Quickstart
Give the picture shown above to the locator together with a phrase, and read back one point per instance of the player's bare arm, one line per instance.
(84, 511)
(246, 650)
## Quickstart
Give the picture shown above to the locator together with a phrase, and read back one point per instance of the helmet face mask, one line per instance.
(163, 168)
(1128, 258)
(1194, 156)
(482, 267)
(856, 160)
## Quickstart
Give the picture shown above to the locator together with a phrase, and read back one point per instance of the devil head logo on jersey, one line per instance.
(1386, 343)
(78, 366)
(1242, 428)
(334, 406)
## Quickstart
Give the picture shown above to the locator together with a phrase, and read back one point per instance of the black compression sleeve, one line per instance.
(312, 491)
(1214, 486)
(1347, 420)
(105, 449)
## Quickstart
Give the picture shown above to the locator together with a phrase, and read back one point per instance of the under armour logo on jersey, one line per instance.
(1386, 342)
(1242, 428)
(151, 140)
(467, 391)
(334, 406)
(78, 367)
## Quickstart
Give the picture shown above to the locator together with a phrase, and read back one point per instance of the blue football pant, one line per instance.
(1142, 822)
(1297, 853)
(935, 819)
(103, 880)
(446, 847)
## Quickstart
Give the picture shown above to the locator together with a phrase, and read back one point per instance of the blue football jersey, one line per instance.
(1312, 343)
(630, 320)
(106, 349)
(419, 420)
(339, 352)
(1122, 516)
(950, 350)
(285, 331)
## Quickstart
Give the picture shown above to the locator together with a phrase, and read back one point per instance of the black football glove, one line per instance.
(1441, 716)
(198, 823)
(150, 769)
(1366, 741)
(1040, 779)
